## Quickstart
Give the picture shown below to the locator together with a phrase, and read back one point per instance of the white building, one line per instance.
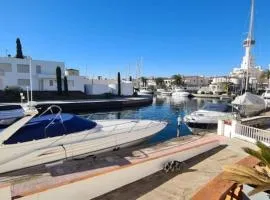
(16, 72)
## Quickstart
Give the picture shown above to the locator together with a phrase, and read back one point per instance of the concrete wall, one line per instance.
(101, 87)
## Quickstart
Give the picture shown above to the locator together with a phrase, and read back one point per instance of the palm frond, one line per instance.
(265, 151)
(242, 179)
(256, 154)
(246, 171)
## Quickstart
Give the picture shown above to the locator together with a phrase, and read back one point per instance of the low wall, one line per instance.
(256, 121)
(97, 105)
(234, 129)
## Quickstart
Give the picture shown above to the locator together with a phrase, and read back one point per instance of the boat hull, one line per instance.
(107, 136)
(180, 94)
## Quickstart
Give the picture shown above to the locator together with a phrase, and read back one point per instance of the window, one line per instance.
(23, 82)
(51, 82)
(22, 68)
(5, 67)
(38, 69)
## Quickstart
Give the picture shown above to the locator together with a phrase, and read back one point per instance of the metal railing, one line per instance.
(57, 115)
(252, 134)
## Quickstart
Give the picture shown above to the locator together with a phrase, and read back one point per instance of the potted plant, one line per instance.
(258, 176)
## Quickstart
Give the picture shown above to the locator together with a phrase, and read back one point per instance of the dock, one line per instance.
(94, 104)
(214, 96)
(89, 178)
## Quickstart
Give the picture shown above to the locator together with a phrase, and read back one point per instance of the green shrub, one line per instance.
(13, 89)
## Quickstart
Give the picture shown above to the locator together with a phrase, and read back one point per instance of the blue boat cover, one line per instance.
(36, 129)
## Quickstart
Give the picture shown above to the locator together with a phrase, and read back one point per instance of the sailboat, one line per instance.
(249, 104)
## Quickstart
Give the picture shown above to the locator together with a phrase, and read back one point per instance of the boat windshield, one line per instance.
(217, 107)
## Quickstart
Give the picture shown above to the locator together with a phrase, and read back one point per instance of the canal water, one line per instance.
(163, 108)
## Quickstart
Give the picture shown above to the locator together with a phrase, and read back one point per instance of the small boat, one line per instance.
(266, 94)
(35, 140)
(209, 114)
(180, 92)
(145, 92)
(164, 92)
(249, 104)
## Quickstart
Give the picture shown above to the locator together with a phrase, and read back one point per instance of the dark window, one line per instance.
(51, 83)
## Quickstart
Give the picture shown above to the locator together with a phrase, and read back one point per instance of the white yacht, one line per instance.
(144, 91)
(35, 140)
(180, 92)
(209, 115)
(266, 94)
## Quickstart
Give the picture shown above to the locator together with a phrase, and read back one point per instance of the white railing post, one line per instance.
(233, 129)
(220, 129)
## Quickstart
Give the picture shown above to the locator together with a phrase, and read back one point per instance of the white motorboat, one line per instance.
(209, 115)
(180, 92)
(266, 94)
(249, 104)
(164, 92)
(145, 91)
(50, 137)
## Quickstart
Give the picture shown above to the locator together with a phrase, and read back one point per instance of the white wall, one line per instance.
(127, 89)
(98, 88)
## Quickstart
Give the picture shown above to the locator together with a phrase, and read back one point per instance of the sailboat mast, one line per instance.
(249, 42)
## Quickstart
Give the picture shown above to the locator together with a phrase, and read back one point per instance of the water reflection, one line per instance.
(163, 108)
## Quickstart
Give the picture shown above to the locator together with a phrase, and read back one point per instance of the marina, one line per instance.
(149, 106)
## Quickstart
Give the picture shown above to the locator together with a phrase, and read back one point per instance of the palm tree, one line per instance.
(144, 81)
(259, 176)
(177, 79)
(159, 82)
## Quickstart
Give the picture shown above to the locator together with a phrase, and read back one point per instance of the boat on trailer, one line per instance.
(35, 140)
(249, 104)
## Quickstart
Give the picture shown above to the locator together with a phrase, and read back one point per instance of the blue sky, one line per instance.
(190, 37)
